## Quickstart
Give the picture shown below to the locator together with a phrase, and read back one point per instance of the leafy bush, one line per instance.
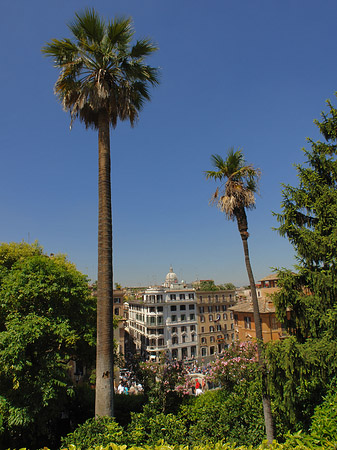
(93, 432)
(151, 427)
(219, 415)
(324, 420)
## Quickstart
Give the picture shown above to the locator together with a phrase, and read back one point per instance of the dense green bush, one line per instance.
(220, 415)
(95, 432)
(324, 420)
(150, 427)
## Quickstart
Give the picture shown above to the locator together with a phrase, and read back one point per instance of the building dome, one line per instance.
(171, 278)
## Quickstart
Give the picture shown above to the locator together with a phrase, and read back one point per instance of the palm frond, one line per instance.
(101, 71)
(239, 182)
(88, 26)
(120, 32)
(142, 48)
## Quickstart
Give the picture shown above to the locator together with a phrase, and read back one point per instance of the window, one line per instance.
(274, 323)
(248, 322)
(202, 318)
(193, 337)
(183, 317)
(211, 350)
(182, 296)
(192, 328)
(174, 329)
(160, 342)
(200, 298)
(159, 297)
(160, 320)
(217, 308)
(225, 316)
(211, 329)
(216, 298)
(173, 308)
(174, 340)
(182, 307)
(152, 320)
(209, 298)
(174, 318)
(201, 309)
(152, 309)
(183, 339)
(160, 309)
(219, 337)
(236, 319)
(218, 316)
(183, 329)
(203, 351)
(117, 300)
(210, 317)
(160, 331)
(232, 326)
(210, 309)
(224, 307)
(191, 307)
(212, 339)
(203, 329)
(172, 296)
(117, 311)
(191, 296)
(225, 326)
(192, 316)
(218, 328)
(232, 315)
(203, 340)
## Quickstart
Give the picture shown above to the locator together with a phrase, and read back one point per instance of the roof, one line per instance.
(273, 276)
(265, 306)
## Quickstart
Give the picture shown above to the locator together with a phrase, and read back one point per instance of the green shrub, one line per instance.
(95, 432)
(324, 420)
(235, 416)
(151, 427)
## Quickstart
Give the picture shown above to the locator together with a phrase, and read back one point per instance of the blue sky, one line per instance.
(245, 73)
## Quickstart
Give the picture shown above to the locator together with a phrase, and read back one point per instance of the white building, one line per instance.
(164, 320)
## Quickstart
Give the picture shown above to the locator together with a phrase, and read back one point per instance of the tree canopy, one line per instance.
(303, 364)
(47, 320)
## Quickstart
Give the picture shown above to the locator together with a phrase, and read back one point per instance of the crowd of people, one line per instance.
(128, 384)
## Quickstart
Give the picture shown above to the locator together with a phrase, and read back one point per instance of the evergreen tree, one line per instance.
(307, 302)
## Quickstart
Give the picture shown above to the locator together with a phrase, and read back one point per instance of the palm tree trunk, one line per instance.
(268, 417)
(104, 355)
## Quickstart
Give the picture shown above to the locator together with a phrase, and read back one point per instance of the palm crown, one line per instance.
(239, 183)
(101, 71)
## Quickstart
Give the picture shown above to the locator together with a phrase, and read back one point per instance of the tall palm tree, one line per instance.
(103, 79)
(235, 195)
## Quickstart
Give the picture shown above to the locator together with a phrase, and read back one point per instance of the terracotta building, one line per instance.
(244, 324)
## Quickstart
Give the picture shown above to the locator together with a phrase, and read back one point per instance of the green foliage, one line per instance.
(301, 366)
(95, 432)
(44, 302)
(151, 427)
(324, 420)
(235, 416)
(207, 285)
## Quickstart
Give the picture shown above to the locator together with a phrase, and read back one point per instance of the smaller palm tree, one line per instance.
(239, 183)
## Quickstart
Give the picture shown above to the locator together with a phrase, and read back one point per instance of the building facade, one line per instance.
(244, 324)
(164, 320)
(215, 321)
